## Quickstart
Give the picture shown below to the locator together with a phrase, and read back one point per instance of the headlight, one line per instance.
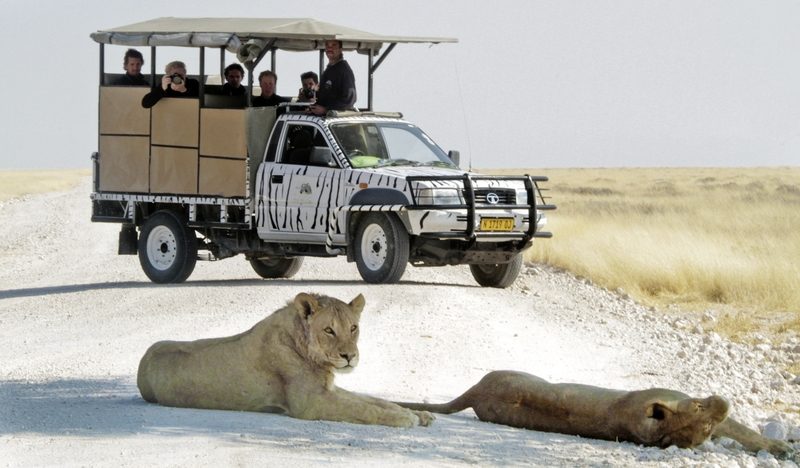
(522, 196)
(440, 196)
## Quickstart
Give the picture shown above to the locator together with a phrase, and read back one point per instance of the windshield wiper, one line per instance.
(396, 162)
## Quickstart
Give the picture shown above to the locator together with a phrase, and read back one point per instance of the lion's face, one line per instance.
(331, 328)
(685, 422)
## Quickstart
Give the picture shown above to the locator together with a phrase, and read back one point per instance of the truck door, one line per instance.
(300, 186)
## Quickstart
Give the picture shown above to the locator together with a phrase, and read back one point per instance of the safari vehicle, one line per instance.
(210, 178)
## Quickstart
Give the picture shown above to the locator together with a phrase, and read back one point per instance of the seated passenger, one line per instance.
(267, 80)
(233, 81)
(132, 64)
(173, 84)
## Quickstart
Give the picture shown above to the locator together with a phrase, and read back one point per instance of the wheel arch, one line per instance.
(145, 210)
(379, 196)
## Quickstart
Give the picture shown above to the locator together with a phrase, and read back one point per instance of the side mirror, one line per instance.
(454, 156)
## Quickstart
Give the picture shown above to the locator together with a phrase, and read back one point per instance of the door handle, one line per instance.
(277, 178)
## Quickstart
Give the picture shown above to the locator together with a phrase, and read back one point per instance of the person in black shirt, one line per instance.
(173, 84)
(233, 81)
(132, 64)
(267, 80)
(337, 86)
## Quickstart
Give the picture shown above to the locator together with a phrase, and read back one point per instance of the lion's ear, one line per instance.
(661, 409)
(357, 304)
(306, 304)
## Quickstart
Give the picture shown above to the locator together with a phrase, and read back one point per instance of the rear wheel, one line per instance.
(498, 275)
(276, 267)
(167, 248)
(381, 248)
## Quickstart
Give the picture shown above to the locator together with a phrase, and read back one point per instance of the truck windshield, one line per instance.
(380, 144)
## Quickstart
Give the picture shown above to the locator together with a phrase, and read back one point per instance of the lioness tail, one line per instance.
(459, 404)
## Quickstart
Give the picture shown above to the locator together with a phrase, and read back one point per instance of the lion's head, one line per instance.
(331, 329)
(671, 418)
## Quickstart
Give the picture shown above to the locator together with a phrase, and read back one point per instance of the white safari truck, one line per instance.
(210, 177)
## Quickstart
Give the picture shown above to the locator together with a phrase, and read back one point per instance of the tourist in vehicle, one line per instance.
(234, 73)
(309, 82)
(173, 84)
(268, 80)
(132, 64)
(337, 86)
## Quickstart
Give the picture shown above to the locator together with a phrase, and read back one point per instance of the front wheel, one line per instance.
(167, 248)
(498, 275)
(276, 267)
(381, 248)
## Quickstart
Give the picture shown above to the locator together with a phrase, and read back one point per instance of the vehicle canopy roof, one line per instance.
(293, 34)
(252, 38)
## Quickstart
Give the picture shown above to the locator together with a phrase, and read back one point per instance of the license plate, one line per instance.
(497, 224)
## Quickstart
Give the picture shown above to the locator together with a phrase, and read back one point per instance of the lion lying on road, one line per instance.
(657, 416)
(284, 364)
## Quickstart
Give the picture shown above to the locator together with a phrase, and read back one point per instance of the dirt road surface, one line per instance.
(75, 318)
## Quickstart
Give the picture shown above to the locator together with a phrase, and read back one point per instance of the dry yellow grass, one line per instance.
(15, 184)
(698, 237)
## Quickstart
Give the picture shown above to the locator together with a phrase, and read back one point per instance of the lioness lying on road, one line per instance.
(284, 364)
(657, 417)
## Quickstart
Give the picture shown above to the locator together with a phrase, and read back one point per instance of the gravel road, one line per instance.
(75, 318)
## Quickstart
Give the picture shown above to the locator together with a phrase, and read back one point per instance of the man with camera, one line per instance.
(309, 81)
(173, 84)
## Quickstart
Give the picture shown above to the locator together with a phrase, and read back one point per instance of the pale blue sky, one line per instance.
(595, 83)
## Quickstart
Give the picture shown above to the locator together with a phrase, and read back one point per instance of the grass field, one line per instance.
(724, 239)
(18, 183)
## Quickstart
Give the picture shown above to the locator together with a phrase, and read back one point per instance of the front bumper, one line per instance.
(457, 224)
(464, 221)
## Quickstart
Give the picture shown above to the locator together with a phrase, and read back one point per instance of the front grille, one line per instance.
(504, 196)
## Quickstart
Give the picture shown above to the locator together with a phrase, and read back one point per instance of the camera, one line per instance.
(308, 93)
(176, 78)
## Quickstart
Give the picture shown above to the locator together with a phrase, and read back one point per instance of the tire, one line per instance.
(381, 248)
(276, 267)
(167, 248)
(499, 275)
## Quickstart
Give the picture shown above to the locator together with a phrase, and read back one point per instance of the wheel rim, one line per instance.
(373, 247)
(162, 248)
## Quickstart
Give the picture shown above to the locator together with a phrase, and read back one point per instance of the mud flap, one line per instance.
(127, 240)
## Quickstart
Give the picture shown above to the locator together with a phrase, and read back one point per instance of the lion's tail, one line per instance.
(459, 404)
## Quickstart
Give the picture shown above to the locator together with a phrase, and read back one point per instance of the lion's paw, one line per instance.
(781, 449)
(425, 418)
